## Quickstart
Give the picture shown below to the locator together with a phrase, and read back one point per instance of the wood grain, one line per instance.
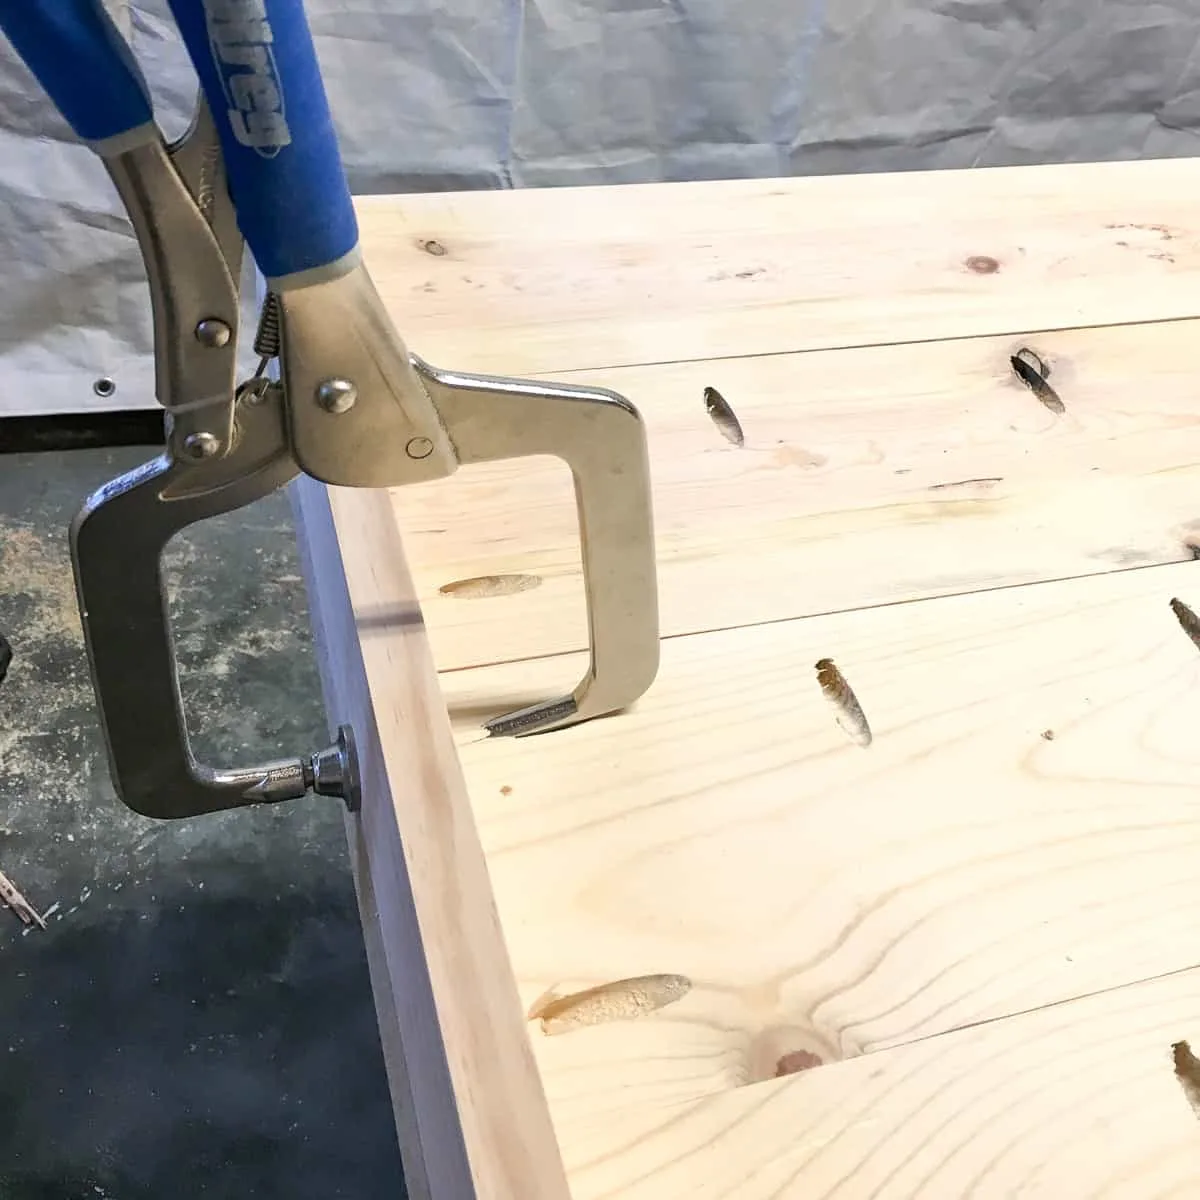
(867, 476)
(722, 885)
(1077, 1100)
(1022, 830)
(444, 988)
(565, 279)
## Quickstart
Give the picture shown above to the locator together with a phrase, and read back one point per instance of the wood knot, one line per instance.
(796, 1061)
(982, 264)
(775, 1052)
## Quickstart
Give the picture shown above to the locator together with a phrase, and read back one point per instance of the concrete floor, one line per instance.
(197, 1020)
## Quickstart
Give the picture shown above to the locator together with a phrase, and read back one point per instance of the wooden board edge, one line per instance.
(471, 1112)
(418, 1077)
(736, 184)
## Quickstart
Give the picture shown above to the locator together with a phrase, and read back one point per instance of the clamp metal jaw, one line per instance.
(348, 405)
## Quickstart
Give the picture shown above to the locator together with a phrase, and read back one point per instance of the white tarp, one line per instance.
(456, 94)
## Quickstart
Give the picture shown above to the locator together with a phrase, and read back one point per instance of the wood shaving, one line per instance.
(12, 898)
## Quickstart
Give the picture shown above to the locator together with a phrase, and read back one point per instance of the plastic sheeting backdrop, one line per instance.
(436, 95)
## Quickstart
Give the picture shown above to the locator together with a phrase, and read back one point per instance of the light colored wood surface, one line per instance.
(922, 913)
(444, 988)
(867, 476)
(1079, 1100)
(1023, 829)
(578, 279)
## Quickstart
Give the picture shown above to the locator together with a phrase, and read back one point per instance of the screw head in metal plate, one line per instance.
(337, 395)
(419, 447)
(200, 445)
(213, 333)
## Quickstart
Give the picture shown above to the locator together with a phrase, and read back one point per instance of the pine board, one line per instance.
(1077, 1101)
(449, 1020)
(983, 925)
(1023, 830)
(867, 476)
(566, 279)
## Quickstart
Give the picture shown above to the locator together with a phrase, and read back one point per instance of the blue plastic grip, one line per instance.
(86, 67)
(260, 75)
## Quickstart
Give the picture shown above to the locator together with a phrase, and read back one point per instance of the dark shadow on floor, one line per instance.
(197, 1020)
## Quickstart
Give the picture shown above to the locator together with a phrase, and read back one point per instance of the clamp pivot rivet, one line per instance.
(200, 445)
(337, 395)
(213, 333)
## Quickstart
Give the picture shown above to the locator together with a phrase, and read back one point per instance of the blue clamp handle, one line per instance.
(69, 45)
(260, 75)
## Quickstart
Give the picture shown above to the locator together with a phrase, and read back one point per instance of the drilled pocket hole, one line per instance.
(484, 587)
